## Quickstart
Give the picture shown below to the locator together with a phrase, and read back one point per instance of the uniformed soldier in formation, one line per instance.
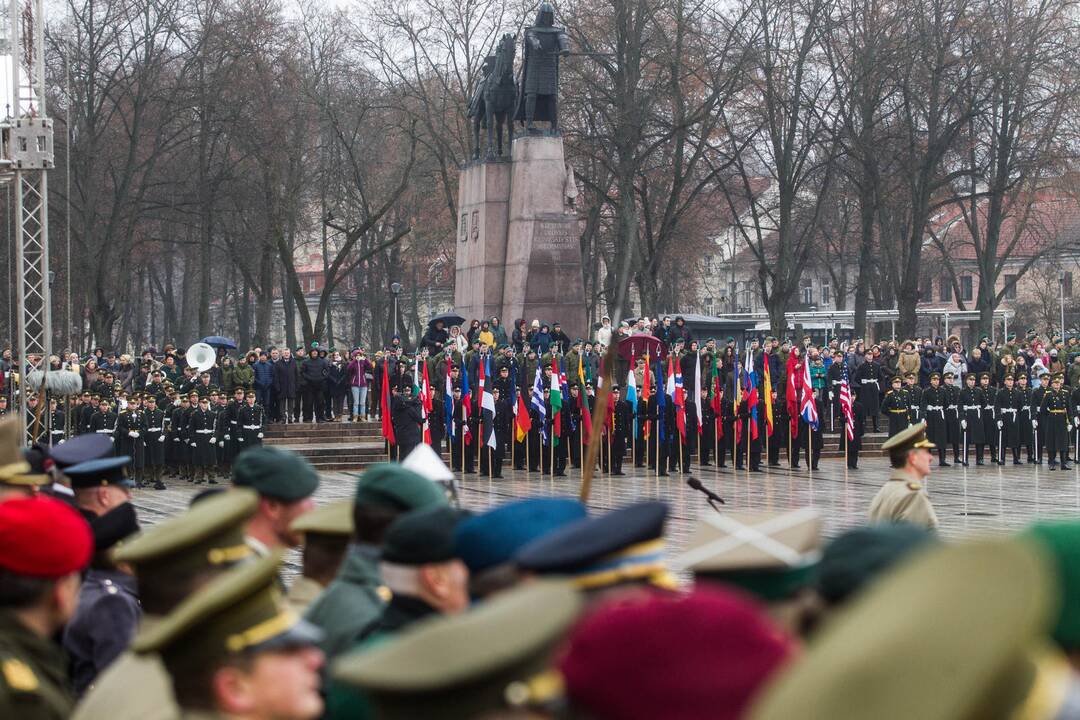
(971, 424)
(44, 545)
(154, 437)
(201, 429)
(130, 426)
(989, 416)
(707, 436)
(251, 419)
(854, 447)
(895, 407)
(903, 498)
(572, 410)
(1025, 417)
(952, 414)
(1055, 408)
(1007, 404)
(57, 431)
(934, 399)
(178, 438)
(460, 450)
(913, 393)
(867, 384)
(621, 424)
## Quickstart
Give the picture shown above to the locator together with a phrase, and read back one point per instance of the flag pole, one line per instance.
(491, 471)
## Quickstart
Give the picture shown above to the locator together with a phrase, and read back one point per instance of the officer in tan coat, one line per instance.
(903, 498)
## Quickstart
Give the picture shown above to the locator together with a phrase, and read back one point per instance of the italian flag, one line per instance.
(556, 402)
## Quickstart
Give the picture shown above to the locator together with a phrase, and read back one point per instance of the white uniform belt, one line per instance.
(205, 432)
(973, 407)
(252, 427)
(157, 429)
(1008, 410)
(935, 407)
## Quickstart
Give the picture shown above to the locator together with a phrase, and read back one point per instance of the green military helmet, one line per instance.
(241, 611)
(491, 659)
(209, 536)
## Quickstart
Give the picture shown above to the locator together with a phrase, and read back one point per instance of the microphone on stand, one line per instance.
(710, 497)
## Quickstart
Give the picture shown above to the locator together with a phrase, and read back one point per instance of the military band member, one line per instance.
(1055, 407)
(201, 428)
(252, 419)
(57, 431)
(129, 429)
(154, 438)
(1007, 404)
(896, 407)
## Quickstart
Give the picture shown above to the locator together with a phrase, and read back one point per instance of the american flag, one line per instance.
(845, 404)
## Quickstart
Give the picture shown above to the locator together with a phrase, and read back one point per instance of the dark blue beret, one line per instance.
(493, 538)
(576, 547)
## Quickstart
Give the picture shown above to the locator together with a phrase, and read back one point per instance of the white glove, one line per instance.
(112, 439)
(830, 396)
(134, 433)
(963, 424)
(228, 438)
(193, 443)
(260, 436)
(176, 439)
(1034, 423)
(221, 443)
(1000, 424)
(60, 443)
(161, 439)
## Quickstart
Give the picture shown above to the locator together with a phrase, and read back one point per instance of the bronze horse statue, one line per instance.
(500, 97)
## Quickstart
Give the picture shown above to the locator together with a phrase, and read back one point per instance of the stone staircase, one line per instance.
(337, 446)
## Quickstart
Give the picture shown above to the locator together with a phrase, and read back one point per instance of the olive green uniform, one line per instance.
(903, 499)
(33, 676)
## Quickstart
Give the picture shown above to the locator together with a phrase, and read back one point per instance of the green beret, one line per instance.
(858, 556)
(1062, 540)
(422, 536)
(275, 473)
(391, 485)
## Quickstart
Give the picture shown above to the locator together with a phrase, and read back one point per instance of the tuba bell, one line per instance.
(200, 356)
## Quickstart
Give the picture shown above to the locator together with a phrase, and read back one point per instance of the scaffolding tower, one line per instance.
(26, 135)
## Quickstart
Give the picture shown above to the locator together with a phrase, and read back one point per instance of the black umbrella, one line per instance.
(219, 342)
(448, 319)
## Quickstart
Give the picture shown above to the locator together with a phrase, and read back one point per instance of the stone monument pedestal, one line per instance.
(518, 253)
(483, 206)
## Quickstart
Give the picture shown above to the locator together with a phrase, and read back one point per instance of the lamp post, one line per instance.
(395, 290)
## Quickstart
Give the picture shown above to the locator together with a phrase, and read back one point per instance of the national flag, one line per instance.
(660, 399)
(425, 400)
(631, 395)
(791, 397)
(845, 404)
(466, 406)
(766, 387)
(752, 399)
(809, 409)
(697, 390)
(586, 417)
(536, 399)
(646, 389)
(448, 404)
(487, 408)
(387, 425)
(522, 421)
(737, 401)
(555, 399)
(717, 399)
(678, 395)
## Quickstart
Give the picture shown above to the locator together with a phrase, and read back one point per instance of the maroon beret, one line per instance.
(702, 655)
(42, 537)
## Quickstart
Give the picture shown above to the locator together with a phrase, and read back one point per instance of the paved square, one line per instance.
(968, 501)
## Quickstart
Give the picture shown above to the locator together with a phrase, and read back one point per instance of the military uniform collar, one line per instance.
(361, 565)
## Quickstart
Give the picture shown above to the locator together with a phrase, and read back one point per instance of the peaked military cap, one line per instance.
(209, 535)
(913, 436)
(490, 659)
(625, 545)
(102, 471)
(240, 611)
(770, 555)
(335, 518)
